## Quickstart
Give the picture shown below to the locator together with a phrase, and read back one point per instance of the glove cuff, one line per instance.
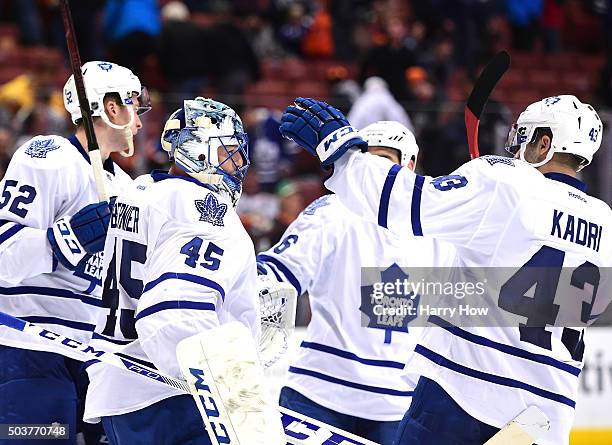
(337, 143)
(64, 243)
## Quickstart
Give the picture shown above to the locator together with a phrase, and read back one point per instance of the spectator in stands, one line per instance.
(290, 206)
(270, 153)
(33, 95)
(233, 61)
(391, 60)
(343, 92)
(553, 18)
(28, 18)
(293, 26)
(257, 210)
(185, 66)
(260, 33)
(131, 28)
(318, 41)
(7, 146)
(376, 103)
(523, 16)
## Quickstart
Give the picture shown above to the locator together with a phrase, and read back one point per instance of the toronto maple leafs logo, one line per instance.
(105, 66)
(317, 203)
(40, 148)
(211, 210)
(392, 311)
(492, 160)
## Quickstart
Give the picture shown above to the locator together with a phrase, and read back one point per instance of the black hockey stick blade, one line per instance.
(491, 74)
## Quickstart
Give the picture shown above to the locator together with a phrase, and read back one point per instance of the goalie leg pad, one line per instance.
(225, 377)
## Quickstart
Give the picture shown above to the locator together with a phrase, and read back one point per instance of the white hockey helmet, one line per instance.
(575, 126)
(194, 134)
(392, 134)
(101, 78)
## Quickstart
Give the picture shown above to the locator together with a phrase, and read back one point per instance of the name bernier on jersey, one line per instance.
(577, 230)
(125, 217)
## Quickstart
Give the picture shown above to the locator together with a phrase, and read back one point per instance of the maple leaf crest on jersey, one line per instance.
(40, 148)
(211, 210)
(492, 160)
(313, 206)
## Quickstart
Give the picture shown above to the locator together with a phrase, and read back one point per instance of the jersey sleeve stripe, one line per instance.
(49, 292)
(351, 356)
(261, 264)
(499, 380)
(60, 321)
(507, 349)
(165, 305)
(11, 231)
(284, 269)
(383, 208)
(185, 277)
(415, 206)
(329, 378)
(97, 336)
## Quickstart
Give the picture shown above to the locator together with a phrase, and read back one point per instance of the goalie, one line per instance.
(178, 262)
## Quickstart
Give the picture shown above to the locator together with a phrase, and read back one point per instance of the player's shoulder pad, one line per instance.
(49, 152)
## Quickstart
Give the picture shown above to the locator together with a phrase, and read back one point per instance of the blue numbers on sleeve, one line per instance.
(444, 183)
(26, 195)
(211, 256)
(286, 243)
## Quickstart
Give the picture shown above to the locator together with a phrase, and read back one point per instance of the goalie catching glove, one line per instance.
(321, 129)
(277, 301)
(72, 238)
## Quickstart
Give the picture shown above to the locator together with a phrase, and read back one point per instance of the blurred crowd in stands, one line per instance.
(414, 61)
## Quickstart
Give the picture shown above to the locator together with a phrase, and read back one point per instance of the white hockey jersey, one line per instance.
(342, 364)
(177, 262)
(499, 212)
(48, 177)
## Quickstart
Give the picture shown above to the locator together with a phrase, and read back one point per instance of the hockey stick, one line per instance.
(75, 64)
(524, 429)
(299, 429)
(491, 74)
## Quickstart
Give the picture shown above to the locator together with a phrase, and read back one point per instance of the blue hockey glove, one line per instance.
(320, 129)
(72, 238)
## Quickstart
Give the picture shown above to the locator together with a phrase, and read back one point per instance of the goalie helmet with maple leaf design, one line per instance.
(206, 139)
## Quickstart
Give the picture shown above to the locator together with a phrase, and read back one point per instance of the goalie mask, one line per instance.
(392, 134)
(206, 139)
(100, 79)
(575, 126)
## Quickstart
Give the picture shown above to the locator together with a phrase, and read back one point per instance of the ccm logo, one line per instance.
(339, 133)
(210, 406)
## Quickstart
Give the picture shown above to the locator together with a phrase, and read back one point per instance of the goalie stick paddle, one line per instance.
(491, 74)
(299, 429)
(75, 65)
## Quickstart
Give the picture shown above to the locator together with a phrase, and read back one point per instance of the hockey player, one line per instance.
(177, 262)
(345, 374)
(500, 213)
(52, 231)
